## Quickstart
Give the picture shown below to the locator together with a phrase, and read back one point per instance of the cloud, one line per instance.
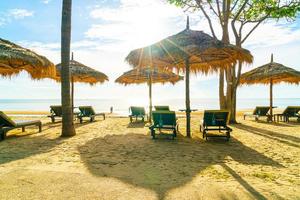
(20, 13)
(46, 1)
(134, 23)
(14, 14)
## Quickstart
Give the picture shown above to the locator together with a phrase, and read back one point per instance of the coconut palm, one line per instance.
(67, 117)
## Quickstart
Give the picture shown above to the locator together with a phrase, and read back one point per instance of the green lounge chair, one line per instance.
(215, 120)
(55, 111)
(88, 111)
(162, 108)
(259, 111)
(137, 112)
(289, 112)
(164, 120)
(7, 124)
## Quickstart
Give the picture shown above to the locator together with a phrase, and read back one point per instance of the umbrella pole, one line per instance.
(150, 99)
(271, 100)
(187, 97)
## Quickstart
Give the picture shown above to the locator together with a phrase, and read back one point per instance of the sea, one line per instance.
(121, 106)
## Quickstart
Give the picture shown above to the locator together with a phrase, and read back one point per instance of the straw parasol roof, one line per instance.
(138, 76)
(14, 59)
(204, 52)
(148, 75)
(275, 71)
(271, 73)
(82, 73)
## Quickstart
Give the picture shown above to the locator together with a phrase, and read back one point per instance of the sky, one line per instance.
(105, 31)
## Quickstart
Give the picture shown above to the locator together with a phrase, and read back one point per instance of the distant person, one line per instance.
(111, 109)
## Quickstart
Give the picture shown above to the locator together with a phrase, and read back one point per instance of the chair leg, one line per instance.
(23, 128)
(53, 119)
(1, 135)
(40, 127)
(153, 133)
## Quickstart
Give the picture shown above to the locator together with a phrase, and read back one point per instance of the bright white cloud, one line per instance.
(46, 1)
(14, 14)
(135, 23)
(20, 13)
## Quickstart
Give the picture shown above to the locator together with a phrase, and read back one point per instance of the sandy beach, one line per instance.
(113, 159)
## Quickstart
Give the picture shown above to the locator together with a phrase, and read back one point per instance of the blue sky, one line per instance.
(103, 33)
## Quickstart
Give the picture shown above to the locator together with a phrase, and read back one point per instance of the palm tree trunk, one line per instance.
(67, 118)
(187, 98)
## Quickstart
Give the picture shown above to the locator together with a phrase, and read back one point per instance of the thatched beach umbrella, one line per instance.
(271, 73)
(81, 73)
(149, 76)
(14, 59)
(189, 51)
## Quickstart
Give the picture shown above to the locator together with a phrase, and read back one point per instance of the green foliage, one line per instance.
(247, 10)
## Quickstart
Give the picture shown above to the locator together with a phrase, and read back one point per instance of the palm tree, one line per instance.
(67, 112)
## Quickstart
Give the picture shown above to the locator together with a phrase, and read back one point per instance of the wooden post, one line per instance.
(187, 97)
(150, 98)
(271, 100)
(271, 95)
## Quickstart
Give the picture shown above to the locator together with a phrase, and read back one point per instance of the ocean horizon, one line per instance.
(121, 106)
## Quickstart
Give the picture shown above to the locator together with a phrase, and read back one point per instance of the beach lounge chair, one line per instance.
(7, 124)
(259, 111)
(137, 112)
(215, 120)
(289, 112)
(164, 120)
(88, 111)
(55, 111)
(160, 108)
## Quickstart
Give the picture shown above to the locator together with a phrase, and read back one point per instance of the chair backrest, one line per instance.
(216, 117)
(291, 111)
(57, 110)
(6, 121)
(261, 110)
(86, 110)
(135, 111)
(165, 108)
(164, 118)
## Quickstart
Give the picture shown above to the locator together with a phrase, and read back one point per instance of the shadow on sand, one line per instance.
(279, 137)
(18, 146)
(161, 165)
(138, 124)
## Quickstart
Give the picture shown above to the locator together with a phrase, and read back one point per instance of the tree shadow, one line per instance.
(270, 134)
(161, 165)
(23, 147)
(244, 183)
(138, 124)
(273, 123)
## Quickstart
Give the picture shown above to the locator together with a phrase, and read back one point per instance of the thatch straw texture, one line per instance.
(271, 71)
(204, 53)
(138, 76)
(14, 59)
(82, 73)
